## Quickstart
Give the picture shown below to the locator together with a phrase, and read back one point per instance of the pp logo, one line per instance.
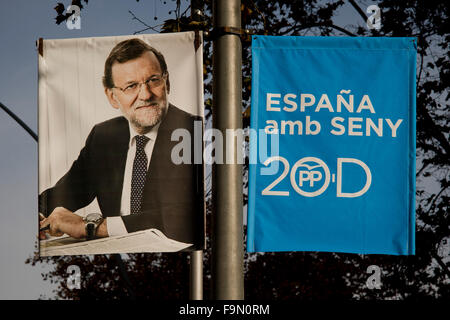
(310, 177)
(311, 170)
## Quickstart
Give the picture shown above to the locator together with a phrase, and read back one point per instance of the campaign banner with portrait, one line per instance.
(332, 145)
(120, 120)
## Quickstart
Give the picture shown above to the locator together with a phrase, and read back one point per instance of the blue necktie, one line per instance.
(139, 173)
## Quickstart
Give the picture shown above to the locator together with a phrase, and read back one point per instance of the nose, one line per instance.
(145, 92)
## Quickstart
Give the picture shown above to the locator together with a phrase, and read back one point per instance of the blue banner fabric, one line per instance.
(332, 145)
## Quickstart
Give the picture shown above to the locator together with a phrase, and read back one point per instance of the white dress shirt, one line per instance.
(115, 225)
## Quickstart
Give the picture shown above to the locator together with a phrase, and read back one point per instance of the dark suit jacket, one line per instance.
(173, 194)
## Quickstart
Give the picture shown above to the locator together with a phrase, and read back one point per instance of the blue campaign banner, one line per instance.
(332, 145)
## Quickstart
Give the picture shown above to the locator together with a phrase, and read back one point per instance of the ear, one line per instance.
(168, 83)
(112, 98)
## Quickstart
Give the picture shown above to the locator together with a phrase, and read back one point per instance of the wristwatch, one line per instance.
(92, 221)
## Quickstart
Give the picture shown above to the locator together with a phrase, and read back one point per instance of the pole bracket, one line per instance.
(217, 32)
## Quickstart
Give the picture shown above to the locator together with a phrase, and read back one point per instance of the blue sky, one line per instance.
(21, 24)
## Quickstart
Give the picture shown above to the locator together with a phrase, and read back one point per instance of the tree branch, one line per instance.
(19, 121)
(342, 30)
(435, 198)
(261, 14)
(124, 274)
(421, 69)
(434, 131)
(441, 264)
(147, 26)
(359, 10)
(426, 162)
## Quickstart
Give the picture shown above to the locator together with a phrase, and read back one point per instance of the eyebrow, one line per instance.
(130, 82)
(134, 81)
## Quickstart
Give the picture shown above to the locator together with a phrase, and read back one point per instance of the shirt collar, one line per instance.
(152, 134)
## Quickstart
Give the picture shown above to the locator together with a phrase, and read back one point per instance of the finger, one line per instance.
(42, 236)
(43, 223)
(44, 227)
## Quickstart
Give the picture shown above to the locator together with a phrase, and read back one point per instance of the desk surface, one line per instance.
(151, 240)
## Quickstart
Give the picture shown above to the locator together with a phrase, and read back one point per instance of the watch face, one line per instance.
(93, 217)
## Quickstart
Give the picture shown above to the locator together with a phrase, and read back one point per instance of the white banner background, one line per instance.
(72, 98)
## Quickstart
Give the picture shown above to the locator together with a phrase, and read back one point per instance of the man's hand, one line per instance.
(63, 221)
(42, 234)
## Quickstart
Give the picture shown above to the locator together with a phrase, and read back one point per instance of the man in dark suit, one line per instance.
(127, 162)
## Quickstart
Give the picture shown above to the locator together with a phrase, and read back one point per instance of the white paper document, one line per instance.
(151, 240)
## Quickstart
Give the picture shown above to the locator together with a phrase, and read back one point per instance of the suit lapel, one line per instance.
(160, 159)
(117, 165)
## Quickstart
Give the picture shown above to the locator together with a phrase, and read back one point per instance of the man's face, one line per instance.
(142, 100)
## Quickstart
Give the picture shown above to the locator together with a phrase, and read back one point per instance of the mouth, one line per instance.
(148, 106)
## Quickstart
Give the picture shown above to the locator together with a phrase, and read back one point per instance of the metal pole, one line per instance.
(227, 229)
(196, 275)
(196, 265)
